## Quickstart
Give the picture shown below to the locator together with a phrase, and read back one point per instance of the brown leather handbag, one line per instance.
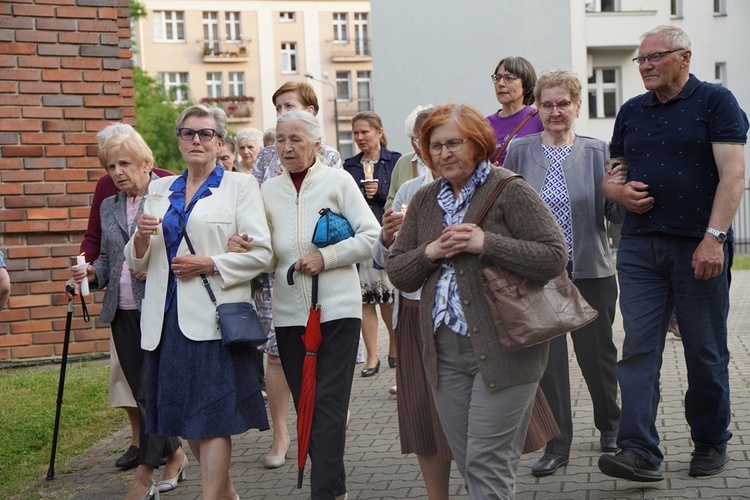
(527, 313)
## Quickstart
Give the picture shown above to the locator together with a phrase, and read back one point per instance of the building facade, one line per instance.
(235, 54)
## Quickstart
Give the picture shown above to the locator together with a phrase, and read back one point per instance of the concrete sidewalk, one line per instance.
(377, 470)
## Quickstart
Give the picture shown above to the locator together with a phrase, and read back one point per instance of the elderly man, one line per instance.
(681, 144)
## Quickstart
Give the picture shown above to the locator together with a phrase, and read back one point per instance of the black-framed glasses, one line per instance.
(506, 77)
(453, 146)
(562, 106)
(204, 134)
(655, 57)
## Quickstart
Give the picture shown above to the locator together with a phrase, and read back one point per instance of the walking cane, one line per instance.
(71, 289)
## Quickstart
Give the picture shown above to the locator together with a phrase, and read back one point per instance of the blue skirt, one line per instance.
(200, 390)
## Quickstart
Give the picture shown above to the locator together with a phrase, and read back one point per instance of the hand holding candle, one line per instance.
(152, 206)
(370, 183)
(81, 265)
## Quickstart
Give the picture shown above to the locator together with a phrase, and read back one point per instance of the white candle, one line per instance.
(152, 206)
(81, 264)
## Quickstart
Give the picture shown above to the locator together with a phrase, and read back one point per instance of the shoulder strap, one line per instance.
(493, 195)
(499, 153)
(204, 279)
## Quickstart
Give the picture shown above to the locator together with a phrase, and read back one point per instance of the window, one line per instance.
(720, 74)
(603, 93)
(608, 6)
(720, 7)
(361, 34)
(343, 86)
(213, 84)
(602, 6)
(288, 57)
(346, 144)
(364, 90)
(236, 84)
(211, 30)
(169, 26)
(233, 26)
(287, 17)
(176, 85)
(675, 9)
(340, 27)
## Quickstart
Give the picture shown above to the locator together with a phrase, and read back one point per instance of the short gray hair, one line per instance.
(112, 130)
(674, 34)
(411, 120)
(250, 133)
(200, 110)
(312, 126)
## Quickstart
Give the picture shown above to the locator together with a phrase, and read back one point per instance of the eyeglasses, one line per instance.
(561, 106)
(453, 146)
(204, 134)
(507, 77)
(655, 57)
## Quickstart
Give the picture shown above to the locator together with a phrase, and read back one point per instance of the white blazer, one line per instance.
(235, 207)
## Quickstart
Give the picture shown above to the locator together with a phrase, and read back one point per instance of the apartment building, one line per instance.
(236, 53)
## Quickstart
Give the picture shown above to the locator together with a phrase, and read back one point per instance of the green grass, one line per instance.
(741, 262)
(27, 416)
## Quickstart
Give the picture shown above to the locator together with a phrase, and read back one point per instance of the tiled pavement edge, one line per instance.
(377, 470)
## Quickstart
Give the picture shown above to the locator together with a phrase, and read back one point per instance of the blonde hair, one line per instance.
(132, 143)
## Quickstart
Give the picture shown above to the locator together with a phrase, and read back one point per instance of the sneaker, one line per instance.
(627, 464)
(707, 461)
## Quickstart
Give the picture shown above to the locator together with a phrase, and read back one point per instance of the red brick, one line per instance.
(25, 201)
(43, 188)
(79, 213)
(60, 125)
(112, 88)
(77, 347)
(42, 112)
(61, 75)
(103, 101)
(16, 23)
(65, 175)
(49, 337)
(69, 201)
(19, 126)
(8, 61)
(20, 100)
(10, 139)
(26, 252)
(22, 151)
(46, 213)
(56, 24)
(23, 176)
(8, 87)
(66, 151)
(97, 26)
(76, 12)
(41, 138)
(73, 138)
(10, 113)
(35, 351)
(86, 113)
(13, 340)
(11, 189)
(107, 13)
(81, 187)
(47, 49)
(71, 225)
(47, 313)
(39, 88)
(9, 315)
(109, 39)
(21, 74)
(25, 227)
(36, 36)
(82, 88)
(79, 38)
(84, 162)
(33, 11)
(38, 62)
(103, 76)
(12, 214)
(80, 63)
(47, 287)
(57, 2)
(29, 301)
(91, 335)
(4, 353)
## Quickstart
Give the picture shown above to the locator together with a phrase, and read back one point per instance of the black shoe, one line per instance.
(548, 464)
(392, 361)
(627, 464)
(129, 459)
(369, 372)
(707, 461)
(609, 443)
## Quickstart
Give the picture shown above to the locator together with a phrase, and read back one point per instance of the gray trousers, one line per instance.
(485, 430)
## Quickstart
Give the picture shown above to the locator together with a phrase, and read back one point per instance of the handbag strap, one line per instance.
(204, 278)
(493, 195)
(499, 153)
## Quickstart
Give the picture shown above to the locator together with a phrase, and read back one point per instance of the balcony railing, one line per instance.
(350, 50)
(237, 108)
(224, 52)
(347, 109)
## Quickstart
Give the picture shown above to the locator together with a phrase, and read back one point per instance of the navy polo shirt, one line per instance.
(668, 146)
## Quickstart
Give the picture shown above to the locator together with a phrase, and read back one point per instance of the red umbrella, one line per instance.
(306, 406)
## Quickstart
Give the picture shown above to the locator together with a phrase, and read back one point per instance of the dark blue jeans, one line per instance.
(656, 274)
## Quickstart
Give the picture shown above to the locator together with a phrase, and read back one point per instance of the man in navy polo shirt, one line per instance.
(682, 146)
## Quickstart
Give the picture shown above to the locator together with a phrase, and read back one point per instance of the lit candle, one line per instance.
(82, 265)
(152, 206)
(369, 168)
(403, 208)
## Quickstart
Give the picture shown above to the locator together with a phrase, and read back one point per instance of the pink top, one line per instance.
(503, 126)
(126, 301)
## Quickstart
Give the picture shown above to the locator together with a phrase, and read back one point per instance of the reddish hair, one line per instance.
(304, 91)
(470, 123)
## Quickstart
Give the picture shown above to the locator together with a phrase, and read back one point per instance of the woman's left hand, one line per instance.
(191, 266)
(462, 238)
(310, 264)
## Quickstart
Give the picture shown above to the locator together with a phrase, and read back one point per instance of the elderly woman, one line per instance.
(567, 169)
(290, 96)
(227, 157)
(514, 79)
(198, 388)
(293, 200)
(249, 143)
(483, 395)
(367, 129)
(129, 161)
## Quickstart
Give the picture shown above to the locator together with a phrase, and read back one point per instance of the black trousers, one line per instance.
(126, 332)
(596, 355)
(335, 374)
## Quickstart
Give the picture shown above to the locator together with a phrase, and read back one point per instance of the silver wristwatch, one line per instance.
(721, 236)
(216, 269)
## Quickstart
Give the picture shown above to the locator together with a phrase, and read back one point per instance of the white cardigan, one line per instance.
(235, 207)
(292, 218)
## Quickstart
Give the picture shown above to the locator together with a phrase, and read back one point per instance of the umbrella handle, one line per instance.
(290, 275)
(290, 282)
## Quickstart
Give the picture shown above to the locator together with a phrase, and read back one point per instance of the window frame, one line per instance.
(364, 77)
(214, 86)
(179, 87)
(161, 22)
(340, 27)
(599, 88)
(362, 34)
(289, 58)
(233, 26)
(211, 24)
(287, 16)
(236, 87)
(345, 78)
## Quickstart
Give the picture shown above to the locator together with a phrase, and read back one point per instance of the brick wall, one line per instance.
(65, 73)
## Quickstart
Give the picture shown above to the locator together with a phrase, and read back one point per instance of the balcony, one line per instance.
(603, 29)
(347, 51)
(224, 52)
(237, 108)
(347, 109)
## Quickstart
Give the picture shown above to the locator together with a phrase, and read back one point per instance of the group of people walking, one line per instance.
(416, 251)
